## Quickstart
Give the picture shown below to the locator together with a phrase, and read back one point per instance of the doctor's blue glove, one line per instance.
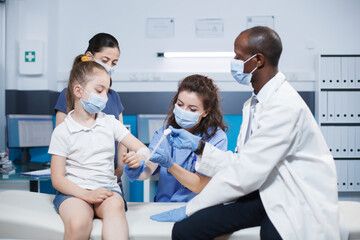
(162, 158)
(174, 215)
(181, 138)
(134, 173)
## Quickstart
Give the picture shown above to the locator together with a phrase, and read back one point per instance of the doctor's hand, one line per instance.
(134, 173)
(174, 215)
(181, 138)
(162, 158)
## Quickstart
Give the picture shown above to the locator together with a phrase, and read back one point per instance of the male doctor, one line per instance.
(282, 176)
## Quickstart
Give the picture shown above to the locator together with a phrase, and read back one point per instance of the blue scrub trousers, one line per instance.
(221, 219)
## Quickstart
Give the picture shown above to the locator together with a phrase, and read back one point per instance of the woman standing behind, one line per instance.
(104, 49)
(195, 108)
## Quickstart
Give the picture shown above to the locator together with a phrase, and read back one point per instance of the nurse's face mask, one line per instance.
(186, 119)
(94, 104)
(109, 69)
(237, 71)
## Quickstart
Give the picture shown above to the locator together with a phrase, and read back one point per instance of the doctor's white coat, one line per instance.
(286, 158)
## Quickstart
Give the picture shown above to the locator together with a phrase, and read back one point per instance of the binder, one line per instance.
(351, 72)
(352, 106)
(344, 72)
(341, 168)
(351, 141)
(357, 142)
(344, 141)
(351, 175)
(323, 106)
(331, 106)
(357, 175)
(340, 106)
(337, 72)
(330, 140)
(357, 72)
(337, 141)
(330, 71)
(356, 106)
(324, 81)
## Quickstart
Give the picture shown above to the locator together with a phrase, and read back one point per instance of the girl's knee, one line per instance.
(79, 224)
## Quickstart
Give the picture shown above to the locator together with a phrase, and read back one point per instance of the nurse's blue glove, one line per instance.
(181, 138)
(162, 158)
(134, 173)
(174, 215)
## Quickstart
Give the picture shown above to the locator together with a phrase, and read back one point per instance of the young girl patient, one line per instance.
(82, 163)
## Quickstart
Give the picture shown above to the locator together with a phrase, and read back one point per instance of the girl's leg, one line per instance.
(77, 216)
(112, 213)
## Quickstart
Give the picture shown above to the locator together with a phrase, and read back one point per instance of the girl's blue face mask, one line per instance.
(237, 71)
(185, 119)
(95, 103)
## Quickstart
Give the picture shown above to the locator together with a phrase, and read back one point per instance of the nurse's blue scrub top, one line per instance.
(170, 189)
(113, 107)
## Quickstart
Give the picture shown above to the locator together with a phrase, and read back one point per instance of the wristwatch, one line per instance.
(200, 148)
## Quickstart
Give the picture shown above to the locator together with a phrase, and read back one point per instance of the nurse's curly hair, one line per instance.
(81, 73)
(208, 92)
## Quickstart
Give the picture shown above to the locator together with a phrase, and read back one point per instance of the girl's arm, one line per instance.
(149, 170)
(121, 149)
(193, 181)
(65, 186)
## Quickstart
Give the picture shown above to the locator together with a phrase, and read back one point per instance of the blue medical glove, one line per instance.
(181, 138)
(162, 158)
(134, 173)
(174, 215)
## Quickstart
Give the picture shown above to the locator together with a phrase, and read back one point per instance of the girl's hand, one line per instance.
(98, 195)
(133, 159)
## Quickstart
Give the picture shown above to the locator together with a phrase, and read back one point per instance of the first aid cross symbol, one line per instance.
(30, 56)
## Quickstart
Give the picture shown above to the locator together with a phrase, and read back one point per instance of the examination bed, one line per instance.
(29, 215)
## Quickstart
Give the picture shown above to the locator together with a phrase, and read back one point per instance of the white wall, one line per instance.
(66, 26)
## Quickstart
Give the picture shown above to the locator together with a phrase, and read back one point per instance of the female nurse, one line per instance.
(195, 107)
(104, 49)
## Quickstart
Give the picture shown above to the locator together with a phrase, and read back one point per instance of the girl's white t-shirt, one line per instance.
(90, 151)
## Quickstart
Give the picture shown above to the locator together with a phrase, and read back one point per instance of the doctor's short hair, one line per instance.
(208, 93)
(81, 73)
(266, 41)
(101, 40)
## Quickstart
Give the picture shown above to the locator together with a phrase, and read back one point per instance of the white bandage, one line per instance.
(144, 151)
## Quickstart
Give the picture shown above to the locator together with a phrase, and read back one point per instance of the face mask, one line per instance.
(95, 104)
(237, 71)
(185, 119)
(110, 70)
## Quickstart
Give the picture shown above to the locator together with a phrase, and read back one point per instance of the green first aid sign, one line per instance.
(29, 56)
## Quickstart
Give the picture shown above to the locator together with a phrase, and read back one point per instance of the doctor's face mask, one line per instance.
(237, 71)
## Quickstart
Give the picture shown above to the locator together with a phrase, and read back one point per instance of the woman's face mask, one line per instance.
(237, 71)
(109, 69)
(94, 104)
(186, 119)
